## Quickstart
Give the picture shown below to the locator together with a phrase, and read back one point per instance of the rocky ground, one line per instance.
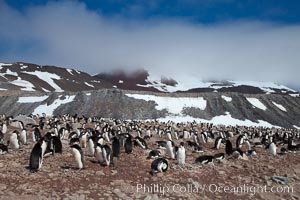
(129, 178)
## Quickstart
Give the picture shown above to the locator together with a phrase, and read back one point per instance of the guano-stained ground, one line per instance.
(58, 179)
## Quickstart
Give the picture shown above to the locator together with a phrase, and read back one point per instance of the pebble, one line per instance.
(113, 172)
(2, 187)
(100, 173)
(221, 172)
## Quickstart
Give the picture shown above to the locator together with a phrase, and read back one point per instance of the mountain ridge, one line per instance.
(32, 77)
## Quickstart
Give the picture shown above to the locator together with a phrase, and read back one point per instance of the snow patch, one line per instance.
(296, 127)
(70, 71)
(172, 104)
(294, 95)
(31, 99)
(265, 86)
(88, 94)
(94, 81)
(89, 84)
(8, 72)
(256, 103)
(187, 82)
(24, 66)
(228, 99)
(226, 120)
(45, 90)
(49, 109)
(279, 106)
(121, 81)
(26, 85)
(47, 77)
(3, 89)
(4, 64)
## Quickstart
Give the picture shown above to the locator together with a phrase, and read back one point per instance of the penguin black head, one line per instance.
(182, 144)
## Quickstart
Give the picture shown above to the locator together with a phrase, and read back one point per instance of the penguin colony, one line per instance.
(107, 139)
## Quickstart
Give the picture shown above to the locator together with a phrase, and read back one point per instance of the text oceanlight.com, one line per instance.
(213, 188)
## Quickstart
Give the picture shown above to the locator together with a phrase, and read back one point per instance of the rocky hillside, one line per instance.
(220, 108)
(31, 77)
(28, 88)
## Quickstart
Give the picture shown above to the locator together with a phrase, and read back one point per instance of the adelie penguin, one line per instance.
(91, 145)
(54, 145)
(180, 154)
(103, 154)
(3, 149)
(83, 139)
(218, 142)
(240, 141)
(159, 165)
(228, 147)
(23, 136)
(138, 141)
(37, 154)
(115, 147)
(128, 144)
(170, 149)
(36, 134)
(78, 156)
(272, 149)
(219, 156)
(205, 159)
(14, 140)
(154, 154)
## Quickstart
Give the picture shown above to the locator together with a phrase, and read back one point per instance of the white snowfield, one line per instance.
(186, 82)
(31, 99)
(172, 104)
(279, 106)
(24, 66)
(228, 99)
(294, 95)
(5, 64)
(26, 85)
(175, 106)
(90, 85)
(256, 103)
(47, 77)
(49, 109)
(70, 71)
(226, 120)
(296, 127)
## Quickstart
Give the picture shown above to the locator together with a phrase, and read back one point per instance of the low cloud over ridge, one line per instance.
(68, 34)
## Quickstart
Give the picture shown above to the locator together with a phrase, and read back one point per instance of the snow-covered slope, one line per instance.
(143, 80)
(31, 77)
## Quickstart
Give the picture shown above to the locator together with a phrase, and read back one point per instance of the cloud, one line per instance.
(68, 34)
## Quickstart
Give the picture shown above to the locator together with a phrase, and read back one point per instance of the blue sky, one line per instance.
(198, 11)
(211, 39)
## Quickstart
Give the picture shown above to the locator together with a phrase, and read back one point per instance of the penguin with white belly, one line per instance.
(23, 136)
(78, 156)
(159, 165)
(103, 154)
(180, 154)
(14, 140)
(170, 149)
